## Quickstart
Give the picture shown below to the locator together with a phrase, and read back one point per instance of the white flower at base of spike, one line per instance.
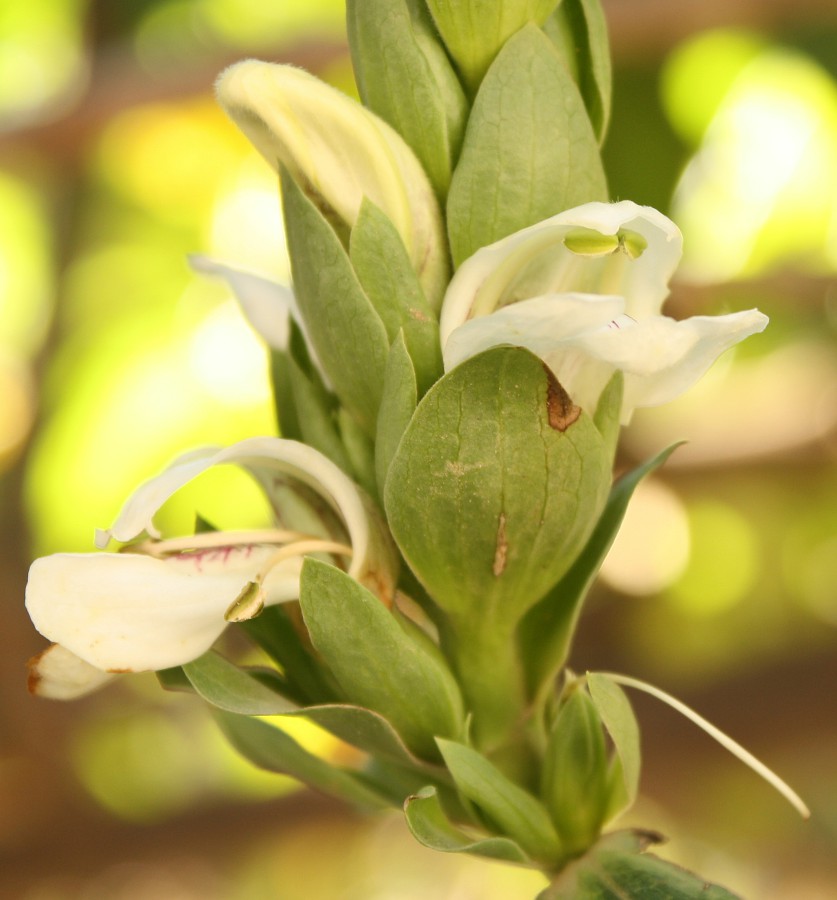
(161, 603)
(339, 152)
(583, 290)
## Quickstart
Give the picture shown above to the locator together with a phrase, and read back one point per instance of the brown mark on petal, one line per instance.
(120, 671)
(561, 410)
(34, 678)
(501, 549)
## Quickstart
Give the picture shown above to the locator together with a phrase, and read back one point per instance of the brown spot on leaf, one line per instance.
(561, 410)
(501, 549)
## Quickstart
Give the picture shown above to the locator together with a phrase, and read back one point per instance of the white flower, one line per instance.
(339, 152)
(584, 290)
(161, 603)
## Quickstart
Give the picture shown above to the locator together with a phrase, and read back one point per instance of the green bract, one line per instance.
(495, 486)
(476, 30)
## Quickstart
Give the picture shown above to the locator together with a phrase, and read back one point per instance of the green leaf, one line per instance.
(315, 413)
(398, 404)
(174, 679)
(615, 869)
(486, 443)
(376, 662)
(618, 717)
(230, 688)
(340, 320)
(608, 415)
(546, 633)
(276, 632)
(511, 809)
(360, 450)
(579, 30)
(575, 783)
(387, 275)
(529, 150)
(476, 30)
(404, 75)
(431, 827)
(270, 748)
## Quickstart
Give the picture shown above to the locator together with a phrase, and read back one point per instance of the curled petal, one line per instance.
(58, 674)
(278, 464)
(266, 304)
(339, 153)
(124, 612)
(618, 249)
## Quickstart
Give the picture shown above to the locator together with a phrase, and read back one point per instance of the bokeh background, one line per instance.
(115, 163)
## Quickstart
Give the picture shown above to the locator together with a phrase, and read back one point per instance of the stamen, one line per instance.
(212, 539)
(300, 548)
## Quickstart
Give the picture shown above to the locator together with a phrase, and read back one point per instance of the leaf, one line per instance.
(529, 150)
(431, 827)
(618, 717)
(513, 810)
(475, 30)
(375, 661)
(272, 749)
(615, 868)
(405, 76)
(485, 444)
(230, 688)
(316, 416)
(546, 633)
(340, 321)
(386, 274)
(579, 30)
(398, 404)
(360, 450)
(575, 785)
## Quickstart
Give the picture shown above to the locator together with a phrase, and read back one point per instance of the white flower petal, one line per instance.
(538, 324)
(58, 674)
(535, 261)
(126, 612)
(266, 304)
(661, 358)
(341, 152)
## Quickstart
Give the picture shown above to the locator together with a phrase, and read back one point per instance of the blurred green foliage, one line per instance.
(734, 134)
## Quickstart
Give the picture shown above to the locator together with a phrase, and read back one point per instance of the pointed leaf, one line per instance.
(270, 748)
(512, 809)
(375, 661)
(405, 76)
(475, 30)
(340, 321)
(618, 717)
(489, 437)
(360, 451)
(230, 688)
(529, 150)
(398, 404)
(432, 828)
(547, 630)
(579, 30)
(615, 868)
(384, 271)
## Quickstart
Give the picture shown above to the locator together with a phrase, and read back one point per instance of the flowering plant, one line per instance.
(471, 322)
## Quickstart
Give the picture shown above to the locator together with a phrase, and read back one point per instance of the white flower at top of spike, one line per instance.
(339, 152)
(163, 602)
(584, 290)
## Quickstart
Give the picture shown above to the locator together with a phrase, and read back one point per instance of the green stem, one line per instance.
(488, 668)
